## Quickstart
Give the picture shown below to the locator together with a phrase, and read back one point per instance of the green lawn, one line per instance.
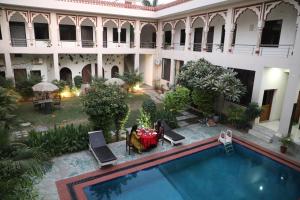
(71, 112)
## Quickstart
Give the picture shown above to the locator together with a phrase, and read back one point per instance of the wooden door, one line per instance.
(87, 74)
(20, 74)
(267, 105)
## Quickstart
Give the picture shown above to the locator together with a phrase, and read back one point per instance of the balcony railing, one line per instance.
(148, 45)
(178, 46)
(197, 46)
(114, 44)
(67, 43)
(248, 49)
(282, 50)
(87, 43)
(18, 42)
(210, 47)
(167, 46)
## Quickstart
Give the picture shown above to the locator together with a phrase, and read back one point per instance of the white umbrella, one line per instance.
(44, 87)
(115, 81)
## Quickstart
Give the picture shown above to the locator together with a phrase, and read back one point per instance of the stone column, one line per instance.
(204, 37)
(31, 33)
(137, 34)
(188, 34)
(172, 73)
(78, 35)
(9, 73)
(100, 65)
(99, 33)
(93, 72)
(136, 63)
(296, 51)
(229, 31)
(290, 98)
(6, 40)
(256, 93)
(54, 30)
(172, 38)
(159, 36)
(260, 28)
(56, 66)
(119, 37)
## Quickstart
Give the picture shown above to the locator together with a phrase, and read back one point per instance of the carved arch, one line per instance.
(46, 16)
(202, 17)
(255, 9)
(115, 21)
(150, 23)
(166, 23)
(92, 19)
(72, 18)
(213, 15)
(11, 13)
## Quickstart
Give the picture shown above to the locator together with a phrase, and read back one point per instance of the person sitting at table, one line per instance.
(135, 139)
(159, 130)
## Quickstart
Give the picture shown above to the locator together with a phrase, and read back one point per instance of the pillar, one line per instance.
(229, 30)
(260, 28)
(54, 30)
(290, 98)
(204, 37)
(5, 29)
(56, 66)
(172, 38)
(188, 34)
(136, 63)
(31, 34)
(93, 72)
(99, 33)
(159, 36)
(100, 65)
(9, 74)
(78, 35)
(296, 52)
(119, 36)
(172, 73)
(256, 92)
(137, 34)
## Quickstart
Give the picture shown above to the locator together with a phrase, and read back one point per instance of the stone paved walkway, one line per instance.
(78, 163)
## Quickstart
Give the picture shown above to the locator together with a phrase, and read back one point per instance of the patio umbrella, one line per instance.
(44, 87)
(115, 81)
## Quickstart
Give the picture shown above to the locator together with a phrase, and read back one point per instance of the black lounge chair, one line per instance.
(170, 135)
(99, 149)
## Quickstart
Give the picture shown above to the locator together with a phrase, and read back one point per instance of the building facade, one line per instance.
(260, 40)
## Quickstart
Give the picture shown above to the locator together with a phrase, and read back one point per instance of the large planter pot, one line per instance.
(283, 149)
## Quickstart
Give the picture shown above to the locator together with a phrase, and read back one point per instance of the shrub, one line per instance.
(24, 86)
(252, 111)
(78, 81)
(175, 101)
(132, 78)
(6, 83)
(61, 84)
(204, 101)
(149, 107)
(120, 118)
(168, 117)
(236, 116)
(145, 119)
(102, 104)
(59, 141)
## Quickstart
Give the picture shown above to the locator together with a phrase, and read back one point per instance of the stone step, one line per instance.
(264, 130)
(261, 135)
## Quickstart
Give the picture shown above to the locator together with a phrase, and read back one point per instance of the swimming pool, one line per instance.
(209, 174)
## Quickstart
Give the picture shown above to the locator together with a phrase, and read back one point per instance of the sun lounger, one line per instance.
(170, 135)
(100, 150)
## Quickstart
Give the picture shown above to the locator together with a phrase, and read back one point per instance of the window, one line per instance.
(67, 32)
(154, 37)
(223, 35)
(41, 31)
(36, 73)
(182, 36)
(234, 35)
(115, 35)
(271, 33)
(247, 79)
(166, 67)
(2, 74)
(123, 35)
(0, 34)
(168, 36)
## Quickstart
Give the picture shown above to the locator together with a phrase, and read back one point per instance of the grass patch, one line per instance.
(71, 112)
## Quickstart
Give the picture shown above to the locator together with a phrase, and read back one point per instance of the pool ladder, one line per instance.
(228, 148)
(226, 139)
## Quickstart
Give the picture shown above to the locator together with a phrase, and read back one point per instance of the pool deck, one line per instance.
(75, 164)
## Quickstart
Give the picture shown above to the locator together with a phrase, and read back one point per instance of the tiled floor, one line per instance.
(82, 162)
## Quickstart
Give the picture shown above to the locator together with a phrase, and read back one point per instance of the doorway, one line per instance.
(66, 75)
(86, 74)
(20, 74)
(267, 105)
(198, 39)
(210, 39)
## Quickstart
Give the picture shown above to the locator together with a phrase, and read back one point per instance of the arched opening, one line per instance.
(41, 29)
(67, 30)
(179, 37)
(86, 74)
(66, 75)
(197, 34)
(245, 33)
(17, 28)
(148, 36)
(114, 71)
(127, 35)
(87, 33)
(279, 31)
(110, 34)
(216, 34)
(167, 36)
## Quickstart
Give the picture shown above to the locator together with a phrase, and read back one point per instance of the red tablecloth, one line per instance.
(148, 137)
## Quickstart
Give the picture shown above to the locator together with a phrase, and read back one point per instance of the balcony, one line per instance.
(19, 42)
(284, 50)
(179, 46)
(197, 47)
(148, 45)
(167, 46)
(211, 47)
(87, 43)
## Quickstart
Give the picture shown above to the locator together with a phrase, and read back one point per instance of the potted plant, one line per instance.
(252, 112)
(285, 142)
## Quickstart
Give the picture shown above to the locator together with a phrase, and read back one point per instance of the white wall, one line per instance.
(147, 68)
(110, 60)
(217, 22)
(246, 32)
(274, 78)
(180, 25)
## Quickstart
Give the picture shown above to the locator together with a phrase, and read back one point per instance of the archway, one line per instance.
(66, 75)
(86, 74)
(114, 71)
(148, 36)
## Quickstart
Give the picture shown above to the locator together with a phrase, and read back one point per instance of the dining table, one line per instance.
(148, 137)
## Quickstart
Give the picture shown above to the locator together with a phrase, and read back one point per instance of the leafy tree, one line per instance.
(121, 117)
(102, 104)
(145, 119)
(131, 79)
(61, 84)
(6, 83)
(24, 86)
(176, 100)
(203, 76)
(204, 101)
(149, 107)
(8, 103)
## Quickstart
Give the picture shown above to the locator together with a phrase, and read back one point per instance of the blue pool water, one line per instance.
(209, 174)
